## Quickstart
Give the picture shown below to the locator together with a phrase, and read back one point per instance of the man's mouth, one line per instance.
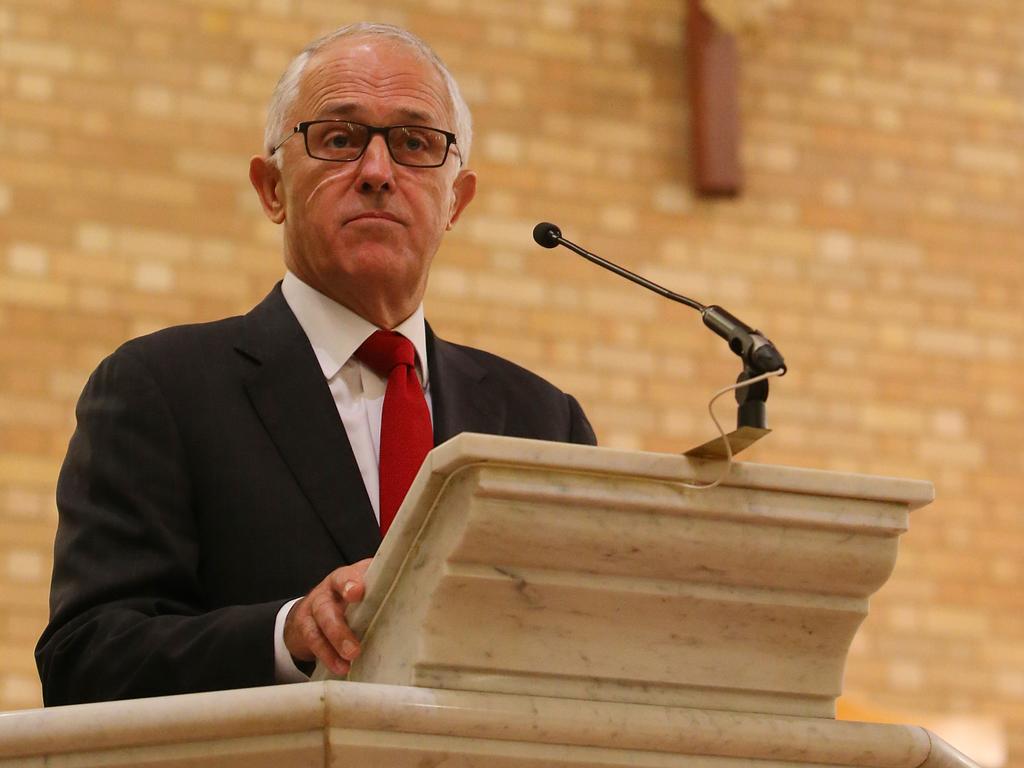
(374, 216)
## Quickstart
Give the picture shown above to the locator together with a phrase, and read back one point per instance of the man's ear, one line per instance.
(464, 188)
(266, 180)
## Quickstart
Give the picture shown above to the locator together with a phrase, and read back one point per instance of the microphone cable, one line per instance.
(729, 460)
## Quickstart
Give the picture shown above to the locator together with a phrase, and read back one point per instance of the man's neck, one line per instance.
(379, 310)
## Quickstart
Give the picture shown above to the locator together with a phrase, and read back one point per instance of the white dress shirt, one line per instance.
(335, 333)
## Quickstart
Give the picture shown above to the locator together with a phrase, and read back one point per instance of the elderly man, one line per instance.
(227, 481)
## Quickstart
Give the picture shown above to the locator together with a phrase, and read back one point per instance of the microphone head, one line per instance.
(546, 234)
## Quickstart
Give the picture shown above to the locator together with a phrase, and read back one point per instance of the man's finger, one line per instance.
(349, 577)
(353, 592)
(323, 650)
(329, 616)
(348, 588)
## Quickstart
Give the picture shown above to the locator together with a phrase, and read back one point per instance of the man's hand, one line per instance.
(316, 628)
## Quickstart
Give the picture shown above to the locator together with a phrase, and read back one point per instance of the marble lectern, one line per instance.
(539, 604)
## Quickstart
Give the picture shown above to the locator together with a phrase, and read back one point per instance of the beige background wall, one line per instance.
(880, 241)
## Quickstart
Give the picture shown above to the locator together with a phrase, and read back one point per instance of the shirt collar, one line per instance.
(336, 332)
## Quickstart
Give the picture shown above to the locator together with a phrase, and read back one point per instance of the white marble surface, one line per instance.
(546, 605)
(470, 448)
(165, 719)
(529, 567)
(338, 723)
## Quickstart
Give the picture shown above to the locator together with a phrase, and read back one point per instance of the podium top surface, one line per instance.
(470, 448)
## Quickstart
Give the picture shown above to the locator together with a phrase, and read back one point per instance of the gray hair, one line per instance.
(287, 89)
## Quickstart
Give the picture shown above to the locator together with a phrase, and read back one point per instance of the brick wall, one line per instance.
(880, 240)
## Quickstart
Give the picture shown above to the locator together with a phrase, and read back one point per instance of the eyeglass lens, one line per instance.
(344, 141)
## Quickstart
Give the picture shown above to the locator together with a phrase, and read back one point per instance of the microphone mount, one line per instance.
(758, 354)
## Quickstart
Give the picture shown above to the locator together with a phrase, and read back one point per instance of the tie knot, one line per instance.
(385, 350)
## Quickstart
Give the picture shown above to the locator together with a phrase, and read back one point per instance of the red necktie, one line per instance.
(405, 431)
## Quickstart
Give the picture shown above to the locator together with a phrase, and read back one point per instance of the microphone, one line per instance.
(753, 347)
(547, 234)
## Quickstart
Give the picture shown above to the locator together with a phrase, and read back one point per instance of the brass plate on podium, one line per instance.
(739, 439)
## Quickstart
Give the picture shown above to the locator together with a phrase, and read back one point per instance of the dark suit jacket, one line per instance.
(210, 480)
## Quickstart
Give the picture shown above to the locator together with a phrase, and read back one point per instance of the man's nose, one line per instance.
(376, 169)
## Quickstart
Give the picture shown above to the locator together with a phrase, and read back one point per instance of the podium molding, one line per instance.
(536, 568)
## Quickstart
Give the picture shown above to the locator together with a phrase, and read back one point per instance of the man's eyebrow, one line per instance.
(347, 108)
(337, 110)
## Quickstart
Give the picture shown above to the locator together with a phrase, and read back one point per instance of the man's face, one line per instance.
(365, 232)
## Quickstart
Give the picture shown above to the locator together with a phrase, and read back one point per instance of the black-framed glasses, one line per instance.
(342, 141)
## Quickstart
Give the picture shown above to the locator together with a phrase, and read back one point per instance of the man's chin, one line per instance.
(373, 263)
(375, 237)
(371, 252)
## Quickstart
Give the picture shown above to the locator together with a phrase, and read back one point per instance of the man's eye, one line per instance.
(338, 140)
(415, 143)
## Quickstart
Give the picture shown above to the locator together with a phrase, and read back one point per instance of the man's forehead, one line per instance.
(372, 45)
(351, 109)
(380, 62)
(341, 77)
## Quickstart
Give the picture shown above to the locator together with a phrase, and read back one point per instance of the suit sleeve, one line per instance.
(127, 612)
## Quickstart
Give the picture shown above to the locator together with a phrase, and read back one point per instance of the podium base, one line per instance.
(383, 726)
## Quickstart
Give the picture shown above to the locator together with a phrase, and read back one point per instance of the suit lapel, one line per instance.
(288, 391)
(459, 393)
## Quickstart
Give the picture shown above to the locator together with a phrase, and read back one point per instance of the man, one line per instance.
(219, 471)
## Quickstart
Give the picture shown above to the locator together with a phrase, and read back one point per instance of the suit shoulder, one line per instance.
(181, 342)
(530, 405)
(172, 357)
(505, 370)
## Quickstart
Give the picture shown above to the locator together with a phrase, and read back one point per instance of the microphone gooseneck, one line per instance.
(549, 235)
(759, 355)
